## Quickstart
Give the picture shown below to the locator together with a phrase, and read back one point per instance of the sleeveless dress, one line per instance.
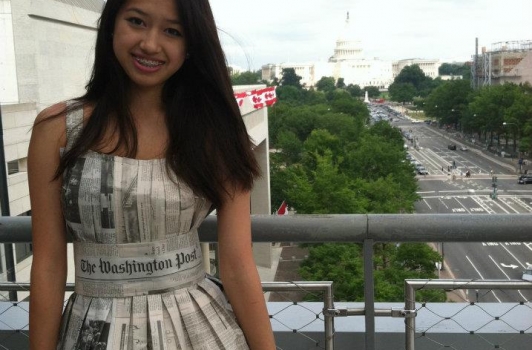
(140, 282)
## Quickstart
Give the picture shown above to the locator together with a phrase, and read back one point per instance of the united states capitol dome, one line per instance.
(348, 46)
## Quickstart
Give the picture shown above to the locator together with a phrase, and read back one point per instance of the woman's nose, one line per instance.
(150, 42)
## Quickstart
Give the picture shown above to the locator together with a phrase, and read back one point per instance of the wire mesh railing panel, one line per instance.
(14, 333)
(478, 322)
(307, 323)
(298, 322)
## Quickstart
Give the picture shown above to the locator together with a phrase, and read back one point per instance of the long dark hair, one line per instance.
(209, 147)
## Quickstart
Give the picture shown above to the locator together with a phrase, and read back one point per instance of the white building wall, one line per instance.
(358, 72)
(46, 54)
(8, 71)
(322, 69)
(53, 48)
(256, 121)
(521, 73)
(429, 67)
(17, 120)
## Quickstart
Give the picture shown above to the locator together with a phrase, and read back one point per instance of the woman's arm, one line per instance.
(239, 273)
(49, 267)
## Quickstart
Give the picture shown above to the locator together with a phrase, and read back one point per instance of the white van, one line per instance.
(527, 273)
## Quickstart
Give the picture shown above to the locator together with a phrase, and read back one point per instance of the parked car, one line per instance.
(421, 170)
(464, 148)
(525, 179)
(452, 147)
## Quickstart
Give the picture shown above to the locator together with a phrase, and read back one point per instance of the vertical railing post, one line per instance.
(369, 294)
(328, 302)
(410, 322)
(4, 201)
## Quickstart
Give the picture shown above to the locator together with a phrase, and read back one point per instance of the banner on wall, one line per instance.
(259, 98)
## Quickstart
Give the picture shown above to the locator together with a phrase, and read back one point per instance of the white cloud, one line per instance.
(306, 30)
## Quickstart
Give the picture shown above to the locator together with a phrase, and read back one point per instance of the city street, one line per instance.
(447, 190)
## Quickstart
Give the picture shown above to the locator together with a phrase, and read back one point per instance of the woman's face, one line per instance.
(149, 41)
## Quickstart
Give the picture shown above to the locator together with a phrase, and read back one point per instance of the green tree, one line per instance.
(313, 97)
(343, 264)
(290, 78)
(373, 157)
(355, 90)
(411, 77)
(291, 147)
(326, 84)
(373, 91)
(455, 69)
(289, 93)
(448, 103)
(343, 125)
(490, 107)
(340, 84)
(321, 142)
(246, 78)
(350, 106)
(402, 92)
(517, 117)
(344, 166)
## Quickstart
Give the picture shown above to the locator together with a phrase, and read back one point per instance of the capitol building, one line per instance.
(348, 62)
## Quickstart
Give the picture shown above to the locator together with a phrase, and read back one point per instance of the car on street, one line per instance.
(464, 148)
(452, 147)
(525, 179)
(421, 170)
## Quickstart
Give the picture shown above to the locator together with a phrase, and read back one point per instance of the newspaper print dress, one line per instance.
(140, 282)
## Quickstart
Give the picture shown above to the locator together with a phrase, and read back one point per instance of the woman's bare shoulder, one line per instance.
(50, 124)
(55, 111)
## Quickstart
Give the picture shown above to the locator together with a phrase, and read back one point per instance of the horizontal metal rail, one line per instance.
(350, 228)
(449, 284)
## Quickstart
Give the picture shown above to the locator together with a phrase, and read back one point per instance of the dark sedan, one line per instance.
(525, 179)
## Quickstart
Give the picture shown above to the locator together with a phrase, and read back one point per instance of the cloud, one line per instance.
(306, 30)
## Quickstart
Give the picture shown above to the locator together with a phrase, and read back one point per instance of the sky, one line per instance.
(254, 33)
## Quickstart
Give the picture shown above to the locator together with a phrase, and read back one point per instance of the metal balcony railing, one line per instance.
(366, 229)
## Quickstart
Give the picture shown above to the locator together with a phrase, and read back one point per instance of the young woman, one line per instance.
(133, 167)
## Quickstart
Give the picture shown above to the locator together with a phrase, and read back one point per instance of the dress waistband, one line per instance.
(129, 269)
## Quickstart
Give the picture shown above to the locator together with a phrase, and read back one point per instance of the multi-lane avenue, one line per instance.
(447, 189)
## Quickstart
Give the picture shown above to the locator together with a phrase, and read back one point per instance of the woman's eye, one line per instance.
(135, 21)
(173, 32)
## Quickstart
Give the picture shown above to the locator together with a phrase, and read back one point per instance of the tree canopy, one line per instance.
(290, 78)
(411, 82)
(328, 160)
(393, 263)
(246, 78)
(462, 70)
(484, 111)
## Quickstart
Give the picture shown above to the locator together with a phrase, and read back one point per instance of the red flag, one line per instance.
(283, 209)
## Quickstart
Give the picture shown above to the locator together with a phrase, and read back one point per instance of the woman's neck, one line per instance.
(146, 104)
